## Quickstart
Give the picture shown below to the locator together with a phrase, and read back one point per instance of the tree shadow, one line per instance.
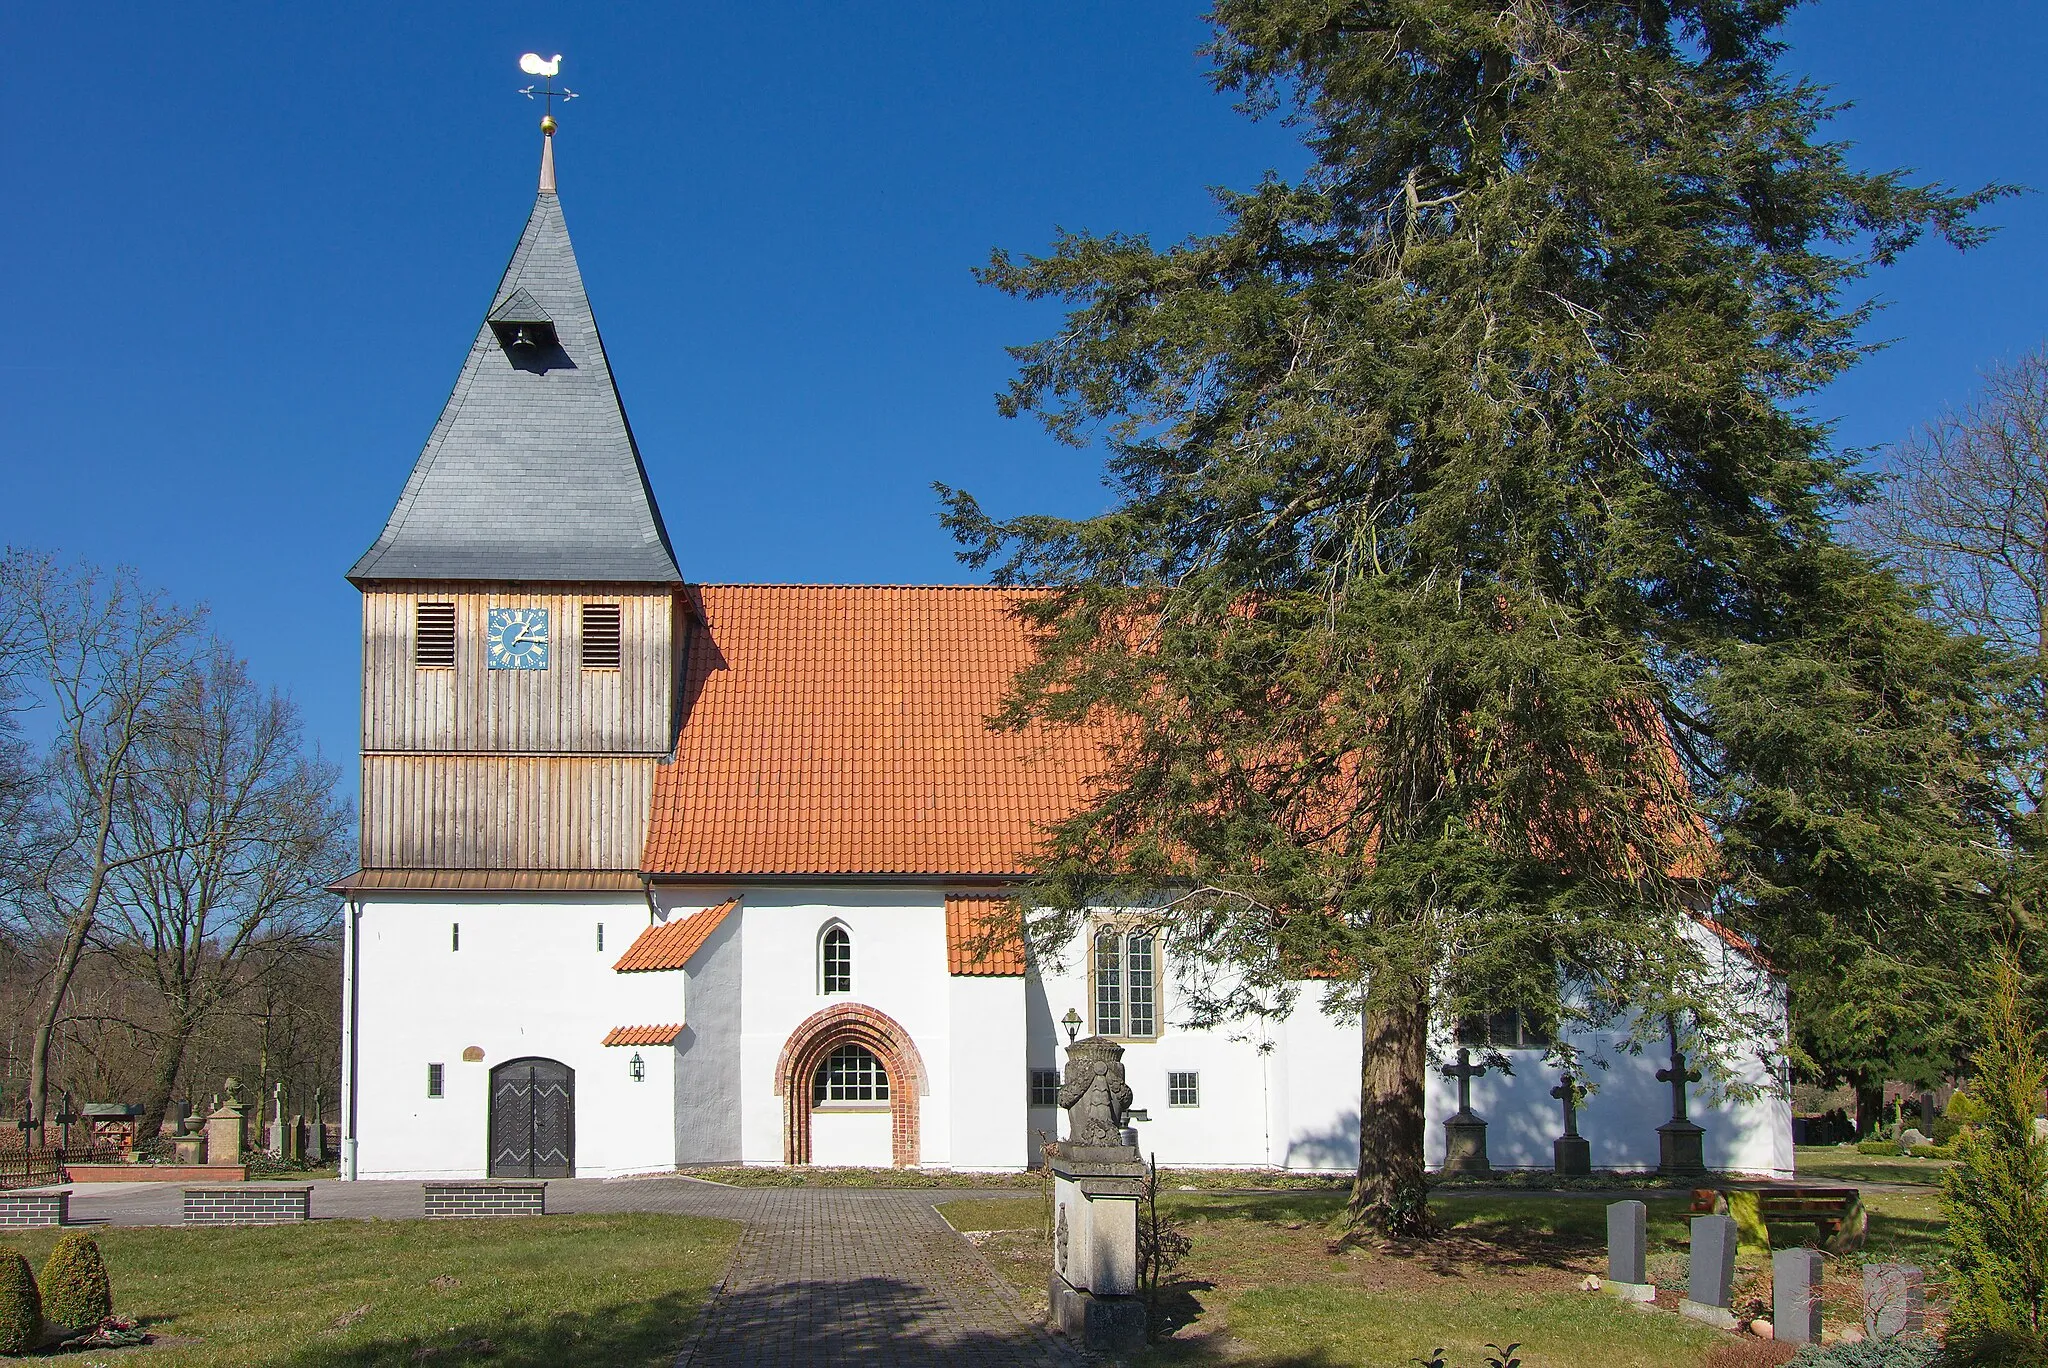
(636, 1333)
(869, 1320)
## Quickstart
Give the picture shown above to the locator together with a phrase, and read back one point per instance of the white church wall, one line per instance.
(526, 980)
(899, 969)
(989, 1086)
(707, 1083)
(1316, 1111)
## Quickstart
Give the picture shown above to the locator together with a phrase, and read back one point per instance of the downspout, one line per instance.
(351, 1003)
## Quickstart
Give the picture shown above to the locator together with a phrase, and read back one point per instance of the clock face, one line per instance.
(518, 639)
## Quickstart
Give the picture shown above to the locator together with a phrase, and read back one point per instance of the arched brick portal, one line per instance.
(826, 1031)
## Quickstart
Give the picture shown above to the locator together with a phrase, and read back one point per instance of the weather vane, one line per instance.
(547, 68)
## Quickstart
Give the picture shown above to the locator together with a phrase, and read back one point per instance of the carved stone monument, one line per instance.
(277, 1143)
(1570, 1154)
(316, 1135)
(227, 1128)
(1465, 1129)
(187, 1137)
(1097, 1180)
(1681, 1146)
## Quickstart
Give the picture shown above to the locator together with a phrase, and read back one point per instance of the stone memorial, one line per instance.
(276, 1147)
(1681, 1145)
(227, 1128)
(1894, 1300)
(1464, 1129)
(1570, 1154)
(1710, 1272)
(316, 1137)
(188, 1140)
(1795, 1296)
(1627, 1252)
(1097, 1180)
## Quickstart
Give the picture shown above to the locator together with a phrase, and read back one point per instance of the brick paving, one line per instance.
(833, 1277)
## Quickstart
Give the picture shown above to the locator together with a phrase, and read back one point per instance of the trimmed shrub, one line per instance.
(1889, 1148)
(75, 1289)
(21, 1310)
(1933, 1151)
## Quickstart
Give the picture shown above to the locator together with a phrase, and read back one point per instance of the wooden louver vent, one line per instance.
(600, 636)
(433, 640)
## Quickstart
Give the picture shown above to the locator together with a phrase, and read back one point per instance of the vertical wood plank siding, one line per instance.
(562, 709)
(504, 811)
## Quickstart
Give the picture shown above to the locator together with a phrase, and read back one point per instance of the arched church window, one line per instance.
(835, 961)
(850, 1073)
(1126, 983)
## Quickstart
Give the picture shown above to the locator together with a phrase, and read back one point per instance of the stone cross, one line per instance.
(1569, 1091)
(1464, 1071)
(1677, 1076)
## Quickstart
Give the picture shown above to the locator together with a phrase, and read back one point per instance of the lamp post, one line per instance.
(1072, 1021)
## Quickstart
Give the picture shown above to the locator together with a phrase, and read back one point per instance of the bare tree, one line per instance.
(107, 657)
(223, 846)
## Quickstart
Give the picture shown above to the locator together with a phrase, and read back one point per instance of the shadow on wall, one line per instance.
(1335, 1148)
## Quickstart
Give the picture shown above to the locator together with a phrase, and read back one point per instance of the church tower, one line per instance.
(520, 610)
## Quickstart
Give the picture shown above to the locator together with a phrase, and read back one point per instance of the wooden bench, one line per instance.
(1836, 1212)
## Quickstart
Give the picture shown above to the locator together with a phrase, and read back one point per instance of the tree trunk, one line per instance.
(1869, 1109)
(53, 1004)
(1390, 1195)
(163, 1081)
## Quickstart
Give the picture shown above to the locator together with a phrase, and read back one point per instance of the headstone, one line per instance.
(1710, 1272)
(1097, 1180)
(295, 1140)
(1465, 1130)
(1795, 1295)
(1894, 1300)
(1627, 1251)
(1681, 1145)
(316, 1138)
(276, 1146)
(227, 1129)
(1570, 1154)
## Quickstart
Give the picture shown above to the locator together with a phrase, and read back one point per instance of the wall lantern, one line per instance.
(1072, 1021)
(637, 1067)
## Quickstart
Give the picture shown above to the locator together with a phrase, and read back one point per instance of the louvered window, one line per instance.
(433, 638)
(600, 636)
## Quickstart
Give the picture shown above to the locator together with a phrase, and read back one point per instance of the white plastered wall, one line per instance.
(528, 980)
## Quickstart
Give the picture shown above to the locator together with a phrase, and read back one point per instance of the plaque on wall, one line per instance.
(473, 1054)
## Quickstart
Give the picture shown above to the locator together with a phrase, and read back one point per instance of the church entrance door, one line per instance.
(533, 1119)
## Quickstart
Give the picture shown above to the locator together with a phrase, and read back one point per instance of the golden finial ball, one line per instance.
(547, 124)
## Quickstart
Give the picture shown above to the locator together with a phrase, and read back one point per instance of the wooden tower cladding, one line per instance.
(470, 767)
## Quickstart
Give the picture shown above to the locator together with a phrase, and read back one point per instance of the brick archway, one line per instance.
(819, 1035)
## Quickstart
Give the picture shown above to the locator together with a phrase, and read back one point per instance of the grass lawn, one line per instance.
(1262, 1288)
(552, 1290)
(1842, 1164)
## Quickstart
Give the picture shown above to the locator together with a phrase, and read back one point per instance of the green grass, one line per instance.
(597, 1290)
(1842, 1164)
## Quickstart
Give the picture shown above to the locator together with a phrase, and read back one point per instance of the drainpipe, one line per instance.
(351, 1010)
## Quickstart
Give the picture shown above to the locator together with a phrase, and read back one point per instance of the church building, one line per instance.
(659, 873)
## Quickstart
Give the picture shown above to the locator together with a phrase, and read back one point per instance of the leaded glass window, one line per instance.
(1126, 984)
(836, 962)
(1138, 979)
(850, 1073)
(1109, 983)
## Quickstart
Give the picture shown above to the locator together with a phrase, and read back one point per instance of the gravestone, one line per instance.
(1795, 1296)
(1710, 1272)
(1627, 1251)
(1097, 1180)
(1681, 1145)
(1894, 1300)
(227, 1128)
(295, 1140)
(316, 1138)
(1465, 1130)
(277, 1141)
(1570, 1154)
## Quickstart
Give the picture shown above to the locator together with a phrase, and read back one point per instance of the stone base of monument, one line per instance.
(1093, 1291)
(1719, 1317)
(1632, 1292)
(1572, 1156)
(1681, 1148)
(1465, 1147)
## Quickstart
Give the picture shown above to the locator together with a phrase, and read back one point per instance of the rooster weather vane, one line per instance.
(547, 68)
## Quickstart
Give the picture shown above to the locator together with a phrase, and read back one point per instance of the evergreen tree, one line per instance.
(1470, 547)
(75, 1290)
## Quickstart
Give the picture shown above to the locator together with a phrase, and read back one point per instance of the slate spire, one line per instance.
(532, 472)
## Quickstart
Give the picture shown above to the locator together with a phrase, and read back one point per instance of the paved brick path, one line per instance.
(822, 1276)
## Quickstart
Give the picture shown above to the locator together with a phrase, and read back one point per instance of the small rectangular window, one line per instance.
(1109, 993)
(433, 1080)
(433, 636)
(454, 935)
(600, 636)
(1183, 1089)
(1045, 1087)
(1138, 978)
(600, 938)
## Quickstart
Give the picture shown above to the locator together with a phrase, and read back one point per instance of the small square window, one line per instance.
(1183, 1090)
(434, 1076)
(1045, 1087)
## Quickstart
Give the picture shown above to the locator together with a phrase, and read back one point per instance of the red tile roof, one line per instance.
(843, 730)
(983, 935)
(643, 1035)
(670, 945)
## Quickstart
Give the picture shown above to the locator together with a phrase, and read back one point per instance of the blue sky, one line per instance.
(249, 245)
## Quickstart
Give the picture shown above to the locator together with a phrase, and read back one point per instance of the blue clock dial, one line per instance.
(517, 639)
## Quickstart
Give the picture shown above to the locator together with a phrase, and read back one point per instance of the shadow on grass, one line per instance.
(636, 1333)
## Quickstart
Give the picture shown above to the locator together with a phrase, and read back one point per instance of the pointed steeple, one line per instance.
(532, 472)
